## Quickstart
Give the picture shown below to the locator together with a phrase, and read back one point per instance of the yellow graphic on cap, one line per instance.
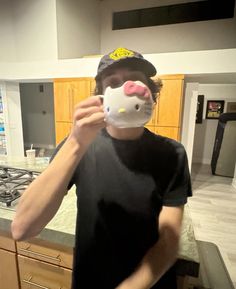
(121, 53)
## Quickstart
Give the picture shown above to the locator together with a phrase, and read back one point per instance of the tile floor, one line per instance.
(213, 211)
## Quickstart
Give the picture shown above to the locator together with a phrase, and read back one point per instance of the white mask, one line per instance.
(129, 105)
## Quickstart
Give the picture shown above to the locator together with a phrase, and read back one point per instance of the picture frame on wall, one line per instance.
(214, 109)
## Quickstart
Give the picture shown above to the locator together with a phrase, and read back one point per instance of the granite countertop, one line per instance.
(61, 229)
(21, 162)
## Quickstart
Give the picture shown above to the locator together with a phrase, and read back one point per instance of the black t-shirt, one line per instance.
(121, 188)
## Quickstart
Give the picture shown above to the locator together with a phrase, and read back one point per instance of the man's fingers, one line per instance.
(94, 119)
(90, 101)
(86, 112)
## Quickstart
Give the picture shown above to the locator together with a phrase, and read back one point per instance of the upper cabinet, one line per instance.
(63, 100)
(166, 119)
(169, 108)
(67, 94)
(167, 116)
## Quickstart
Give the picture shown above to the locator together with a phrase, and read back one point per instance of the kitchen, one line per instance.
(194, 56)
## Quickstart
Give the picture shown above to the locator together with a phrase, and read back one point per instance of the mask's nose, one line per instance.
(121, 110)
(132, 88)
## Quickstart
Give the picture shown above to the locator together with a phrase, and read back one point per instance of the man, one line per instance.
(131, 187)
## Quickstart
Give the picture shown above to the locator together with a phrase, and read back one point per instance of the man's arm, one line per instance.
(162, 255)
(44, 195)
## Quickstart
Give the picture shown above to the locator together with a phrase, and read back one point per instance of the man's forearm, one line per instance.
(42, 198)
(155, 263)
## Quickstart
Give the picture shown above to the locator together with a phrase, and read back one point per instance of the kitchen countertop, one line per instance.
(61, 229)
(21, 162)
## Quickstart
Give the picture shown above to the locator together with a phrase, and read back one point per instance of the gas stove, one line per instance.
(13, 182)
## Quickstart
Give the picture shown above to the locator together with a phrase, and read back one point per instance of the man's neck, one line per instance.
(125, 133)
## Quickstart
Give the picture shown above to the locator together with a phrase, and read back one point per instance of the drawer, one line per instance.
(47, 252)
(38, 274)
(6, 241)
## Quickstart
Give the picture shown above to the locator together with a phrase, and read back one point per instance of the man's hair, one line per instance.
(154, 84)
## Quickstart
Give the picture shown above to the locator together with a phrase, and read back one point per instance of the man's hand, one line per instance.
(88, 120)
(162, 255)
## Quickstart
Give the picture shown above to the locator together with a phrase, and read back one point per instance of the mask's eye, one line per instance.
(137, 107)
(108, 109)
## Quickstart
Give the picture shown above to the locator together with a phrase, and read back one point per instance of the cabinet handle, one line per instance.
(34, 284)
(57, 259)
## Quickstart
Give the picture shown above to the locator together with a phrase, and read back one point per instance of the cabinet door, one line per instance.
(152, 128)
(153, 121)
(8, 270)
(170, 103)
(81, 90)
(6, 241)
(62, 130)
(92, 86)
(63, 102)
(171, 132)
(38, 274)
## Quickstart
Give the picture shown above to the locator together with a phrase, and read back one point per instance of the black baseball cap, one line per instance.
(125, 57)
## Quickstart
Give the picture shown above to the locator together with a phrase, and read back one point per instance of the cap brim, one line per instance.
(139, 64)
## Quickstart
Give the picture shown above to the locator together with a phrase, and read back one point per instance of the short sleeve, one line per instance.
(179, 186)
(71, 183)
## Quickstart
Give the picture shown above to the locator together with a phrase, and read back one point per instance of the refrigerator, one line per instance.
(224, 151)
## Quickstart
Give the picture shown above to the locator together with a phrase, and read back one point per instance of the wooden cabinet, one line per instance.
(170, 102)
(34, 264)
(47, 252)
(167, 116)
(8, 262)
(45, 265)
(63, 101)
(171, 132)
(166, 119)
(62, 130)
(38, 274)
(67, 94)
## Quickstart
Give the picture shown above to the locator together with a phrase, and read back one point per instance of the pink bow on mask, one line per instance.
(132, 88)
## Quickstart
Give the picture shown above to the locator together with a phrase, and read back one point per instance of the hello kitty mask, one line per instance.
(129, 105)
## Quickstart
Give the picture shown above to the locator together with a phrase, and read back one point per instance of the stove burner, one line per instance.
(13, 183)
(8, 197)
(4, 174)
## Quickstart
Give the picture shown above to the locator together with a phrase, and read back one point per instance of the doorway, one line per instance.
(37, 108)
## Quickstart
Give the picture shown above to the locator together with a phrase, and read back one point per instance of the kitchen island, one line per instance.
(61, 229)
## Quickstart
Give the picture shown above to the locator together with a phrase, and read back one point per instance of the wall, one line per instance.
(7, 47)
(28, 30)
(205, 132)
(38, 127)
(189, 116)
(35, 29)
(204, 35)
(190, 62)
(78, 28)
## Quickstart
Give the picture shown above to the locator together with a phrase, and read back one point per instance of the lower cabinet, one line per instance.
(8, 262)
(167, 131)
(8, 270)
(38, 274)
(171, 132)
(45, 265)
